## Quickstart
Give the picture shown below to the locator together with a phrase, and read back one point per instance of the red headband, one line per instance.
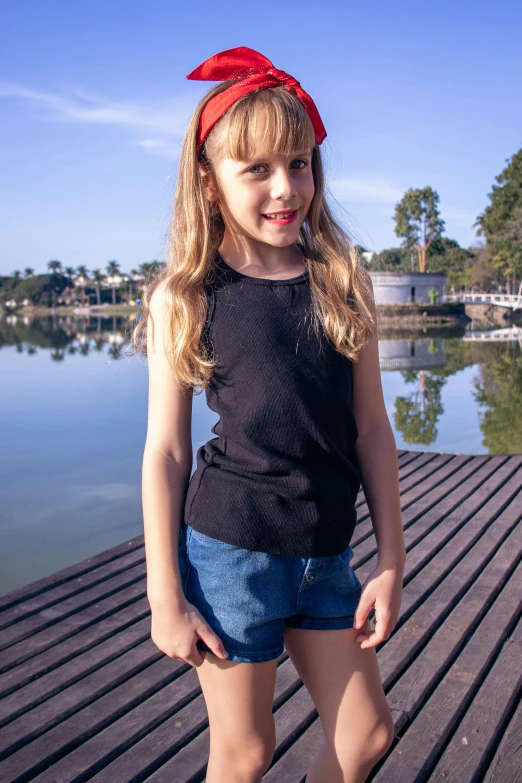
(256, 73)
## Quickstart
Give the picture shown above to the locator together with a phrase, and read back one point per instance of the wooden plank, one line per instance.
(54, 710)
(46, 686)
(436, 592)
(71, 572)
(432, 504)
(467, 755)
(293, 765)
(417, 752)
(190, 762)
(73, 622)
(92, 737)
(505, 767)
(51, 617)
(66, 590)
(435, 526)
(102, 625)
(446, 625)
(84, 688)
(414, 485)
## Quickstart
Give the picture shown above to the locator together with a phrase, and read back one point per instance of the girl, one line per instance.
(264, 304)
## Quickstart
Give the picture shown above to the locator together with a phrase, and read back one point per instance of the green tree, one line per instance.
(97, 278)
(150, 269)
(446, 255)
(393, 259)
(54, 266)
(416, 415)
(501, 221)
(39, 289)
(418, 221)
(113, 269)
(83, 273)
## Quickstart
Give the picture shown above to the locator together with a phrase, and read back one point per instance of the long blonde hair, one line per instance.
(340, 287)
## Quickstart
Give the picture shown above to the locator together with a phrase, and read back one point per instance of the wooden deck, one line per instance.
(85, 695)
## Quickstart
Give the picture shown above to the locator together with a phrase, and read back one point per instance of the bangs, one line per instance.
(268, 121)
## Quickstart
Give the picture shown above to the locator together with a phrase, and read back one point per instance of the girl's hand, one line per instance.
(175, 631)
(383, 591)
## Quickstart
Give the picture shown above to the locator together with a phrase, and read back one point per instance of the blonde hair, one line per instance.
(341, 288)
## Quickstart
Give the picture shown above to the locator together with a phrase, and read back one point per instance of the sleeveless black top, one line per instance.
(281, 475)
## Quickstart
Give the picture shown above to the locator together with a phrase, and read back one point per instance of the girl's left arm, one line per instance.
(378, 463)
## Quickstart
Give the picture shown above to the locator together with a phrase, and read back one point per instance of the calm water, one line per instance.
(73, 424)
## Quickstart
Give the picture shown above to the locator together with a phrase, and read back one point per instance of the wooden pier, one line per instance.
(85, 695)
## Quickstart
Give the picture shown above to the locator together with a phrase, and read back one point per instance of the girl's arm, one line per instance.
(378, 463)
(377, 454)
(167, 462)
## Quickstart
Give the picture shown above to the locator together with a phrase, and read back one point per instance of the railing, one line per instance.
(512, 333)
(502, 300)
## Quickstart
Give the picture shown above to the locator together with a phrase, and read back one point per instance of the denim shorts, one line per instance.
(248, 597)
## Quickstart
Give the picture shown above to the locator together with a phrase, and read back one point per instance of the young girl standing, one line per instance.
(264, 304)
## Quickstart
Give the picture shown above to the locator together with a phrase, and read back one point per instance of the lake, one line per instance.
(74, 417)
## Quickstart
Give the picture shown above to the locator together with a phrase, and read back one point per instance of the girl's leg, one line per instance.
(345, 685)
(239, 699)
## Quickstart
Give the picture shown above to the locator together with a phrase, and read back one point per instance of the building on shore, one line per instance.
(407, 287)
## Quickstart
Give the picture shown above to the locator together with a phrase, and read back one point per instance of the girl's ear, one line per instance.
(209, 186)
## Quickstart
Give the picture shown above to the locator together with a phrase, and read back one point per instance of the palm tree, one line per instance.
(149, 268)
(113, 269)
(83, 272)
(97, 278)
(133, 273)
(17, 275)
(54, 266)
(28, 272)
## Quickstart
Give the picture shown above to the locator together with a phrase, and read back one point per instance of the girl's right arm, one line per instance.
(166, 468)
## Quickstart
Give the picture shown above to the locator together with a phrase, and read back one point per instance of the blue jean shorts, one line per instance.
(249, 597)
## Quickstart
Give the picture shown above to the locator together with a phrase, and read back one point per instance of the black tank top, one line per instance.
(281, 475)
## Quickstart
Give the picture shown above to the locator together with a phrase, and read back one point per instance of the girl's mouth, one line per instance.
(282, 218)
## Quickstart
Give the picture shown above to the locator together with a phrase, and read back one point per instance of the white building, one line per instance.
(398, 288)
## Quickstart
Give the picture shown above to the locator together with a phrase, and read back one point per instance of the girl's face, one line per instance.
(266, 198)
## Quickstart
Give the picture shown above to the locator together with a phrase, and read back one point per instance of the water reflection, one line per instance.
(425, 360)
(426, 364)
(73, 410)
(65, 335)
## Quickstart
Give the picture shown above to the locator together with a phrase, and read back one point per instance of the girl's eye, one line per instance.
(259, 165)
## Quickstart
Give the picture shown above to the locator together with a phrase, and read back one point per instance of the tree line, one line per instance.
(496, 261)
(70, 284)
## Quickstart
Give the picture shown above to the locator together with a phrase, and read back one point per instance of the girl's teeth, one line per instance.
(274, 217)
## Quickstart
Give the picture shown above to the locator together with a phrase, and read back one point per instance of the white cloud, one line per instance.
(161, 147)
(458, 216)
(165, 120)
(365, 191)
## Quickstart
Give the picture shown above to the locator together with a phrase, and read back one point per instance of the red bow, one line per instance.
(256, 72)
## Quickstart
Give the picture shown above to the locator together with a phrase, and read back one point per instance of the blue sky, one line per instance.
(94, 103)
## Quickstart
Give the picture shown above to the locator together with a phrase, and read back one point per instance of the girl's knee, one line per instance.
(245, 761)
(378, 742)
(383, 737)
(362, 753)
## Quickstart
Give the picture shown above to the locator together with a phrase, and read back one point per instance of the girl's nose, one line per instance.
(282, 184)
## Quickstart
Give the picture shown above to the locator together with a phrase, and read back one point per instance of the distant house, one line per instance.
(396, 288)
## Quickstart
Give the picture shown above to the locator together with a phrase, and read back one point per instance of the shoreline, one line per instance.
(450, 309)
(390, 316)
